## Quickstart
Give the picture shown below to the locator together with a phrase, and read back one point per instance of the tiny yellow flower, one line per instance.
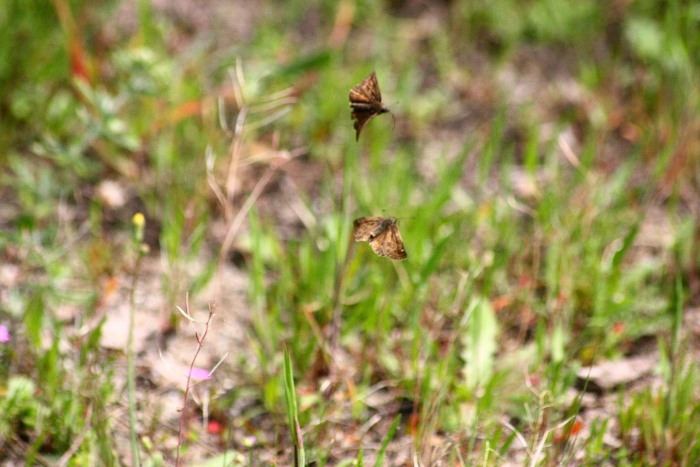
(139, 223)
(138, 220)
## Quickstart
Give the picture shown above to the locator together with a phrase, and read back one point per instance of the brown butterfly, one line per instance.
(383, 236)
(366, 102)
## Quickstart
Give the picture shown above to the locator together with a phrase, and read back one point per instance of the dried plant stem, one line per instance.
(236, 146)
(252, 198)
(200, 344)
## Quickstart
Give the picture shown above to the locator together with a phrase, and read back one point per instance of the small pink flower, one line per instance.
(199, 374)
(4, 334)
(214, 427)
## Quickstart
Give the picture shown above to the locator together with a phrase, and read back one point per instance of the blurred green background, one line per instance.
(542, 159)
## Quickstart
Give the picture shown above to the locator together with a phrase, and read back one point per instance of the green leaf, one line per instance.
(360, 458)
(292, 410)
(558, 343)
(387, 439)
(34, 319)
(479, 343)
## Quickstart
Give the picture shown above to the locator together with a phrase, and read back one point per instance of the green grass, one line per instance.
(526, 262)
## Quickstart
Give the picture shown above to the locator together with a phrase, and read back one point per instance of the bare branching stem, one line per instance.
(200, 343)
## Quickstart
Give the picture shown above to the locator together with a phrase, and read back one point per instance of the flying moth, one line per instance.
(383, 236)
(366, 102)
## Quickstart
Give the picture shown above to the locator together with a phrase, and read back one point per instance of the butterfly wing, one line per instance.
(389, 243)
(366, 228)
(366, 102)
(361, 118)
(382, 234)
(371, 85)
(364, 94)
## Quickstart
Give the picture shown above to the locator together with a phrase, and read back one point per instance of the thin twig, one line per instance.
(200, 344)
(272, 105)
(267, 120)
(252, 198)
(571, 157)
(237, 142)
(211, 179)
(236, 146)
(518, 435)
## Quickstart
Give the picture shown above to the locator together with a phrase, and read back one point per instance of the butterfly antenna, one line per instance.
(393, 128)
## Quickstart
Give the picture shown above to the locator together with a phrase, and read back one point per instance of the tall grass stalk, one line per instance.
(139, 224)
(293, 411)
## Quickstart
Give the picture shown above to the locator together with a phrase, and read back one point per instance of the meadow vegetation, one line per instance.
(542, 158)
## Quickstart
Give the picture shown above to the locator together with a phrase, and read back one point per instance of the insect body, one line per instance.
(383, 236)
(366, 102)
